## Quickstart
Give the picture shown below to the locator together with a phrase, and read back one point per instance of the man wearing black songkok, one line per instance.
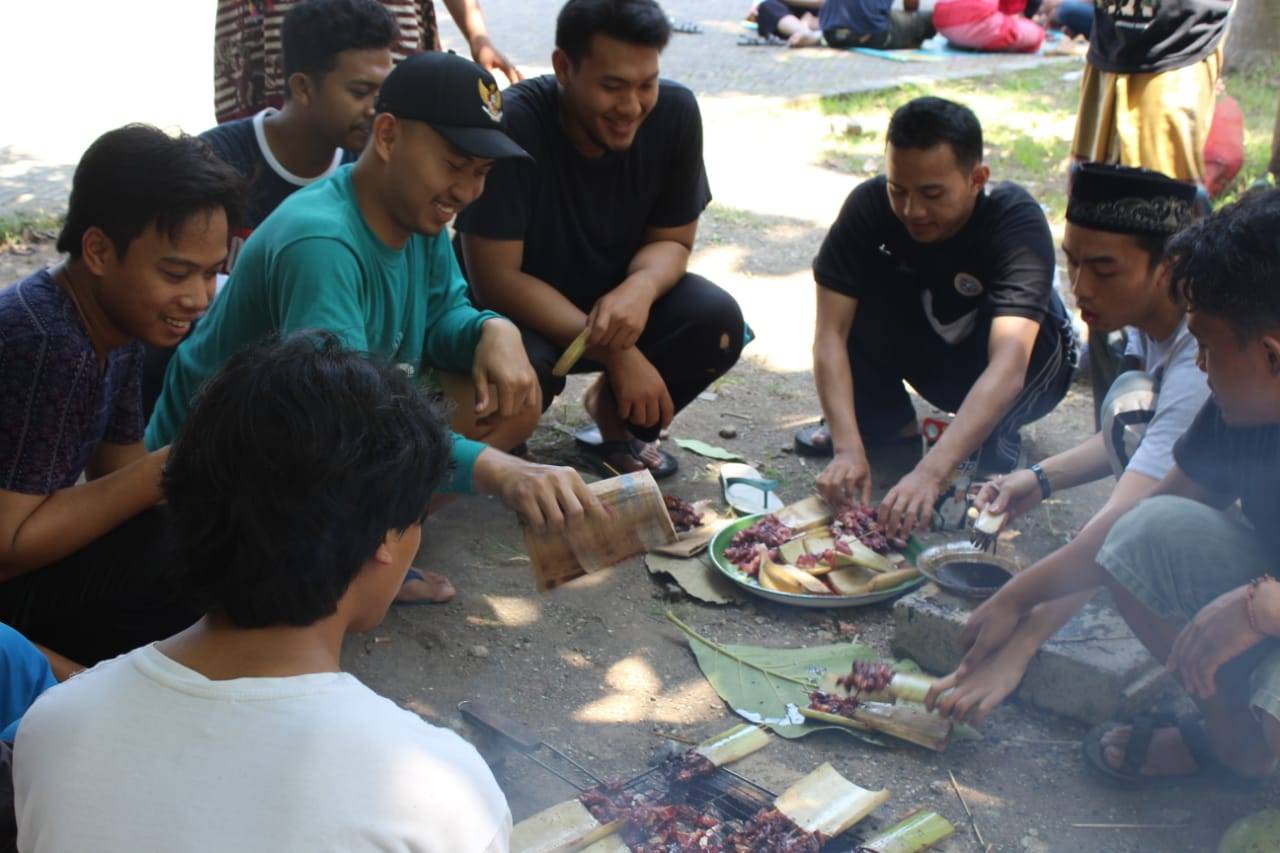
(1118, 222)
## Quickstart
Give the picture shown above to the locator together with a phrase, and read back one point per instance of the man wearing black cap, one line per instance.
(597, 234)
(364, 254)
(1118, 222)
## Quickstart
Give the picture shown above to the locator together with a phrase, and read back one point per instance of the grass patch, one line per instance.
(1028, 118)
(17, 229)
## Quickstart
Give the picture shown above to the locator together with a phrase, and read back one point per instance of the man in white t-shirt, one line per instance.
(1118, 222)
(242, 733)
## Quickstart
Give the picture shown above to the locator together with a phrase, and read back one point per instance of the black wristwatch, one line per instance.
(1046, 488)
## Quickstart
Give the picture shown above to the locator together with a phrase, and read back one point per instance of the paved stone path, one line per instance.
(134, 78)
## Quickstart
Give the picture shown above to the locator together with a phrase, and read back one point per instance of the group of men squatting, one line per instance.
(205, 484)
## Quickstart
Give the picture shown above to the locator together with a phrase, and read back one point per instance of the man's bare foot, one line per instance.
(423, 587)
(1168, 754)
(805, 38)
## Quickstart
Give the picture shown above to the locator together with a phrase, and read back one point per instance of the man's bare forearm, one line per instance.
(1082, 464)
(532, 304)
(983, 407)
(658, 266)
(834, 377)
(70, 519)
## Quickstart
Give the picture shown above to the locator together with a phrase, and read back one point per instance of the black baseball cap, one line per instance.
(456, 97)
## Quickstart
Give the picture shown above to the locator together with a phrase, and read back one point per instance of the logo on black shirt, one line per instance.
(967, 285)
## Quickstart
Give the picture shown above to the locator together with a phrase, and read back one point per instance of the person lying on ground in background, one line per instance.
(596, 233)
(992, 26)
(1118, 222)
(927, 277)
(365, 254)
(846, 23)
(1194, 582)
(1073, 17)
(86, 569)
(336, 53)
(794, 22)
(248, 65)
(299, 486)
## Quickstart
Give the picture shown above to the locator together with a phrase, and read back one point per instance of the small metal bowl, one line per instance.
(934, 564)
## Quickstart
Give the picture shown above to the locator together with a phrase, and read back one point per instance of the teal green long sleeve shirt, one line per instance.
(315, 264)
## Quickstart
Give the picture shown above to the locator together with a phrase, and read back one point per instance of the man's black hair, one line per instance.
(638, 22)
(1228, 264)
(929, 121)
(297, 459)
(136, 177)
(315, 32)
(1155, 245)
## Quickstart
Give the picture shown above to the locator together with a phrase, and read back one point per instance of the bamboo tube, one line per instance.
(905, 722)
(918, 831)
(733, 745)
(638, 522)
(571, 354)
(805, 515)
(555, 829)
(826, 802)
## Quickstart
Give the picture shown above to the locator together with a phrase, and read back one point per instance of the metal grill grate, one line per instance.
(724, 794)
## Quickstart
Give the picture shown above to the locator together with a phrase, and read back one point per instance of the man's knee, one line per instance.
(720, 315)
(1158, 523)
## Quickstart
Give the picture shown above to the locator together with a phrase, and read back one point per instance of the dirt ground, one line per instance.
(597, 670)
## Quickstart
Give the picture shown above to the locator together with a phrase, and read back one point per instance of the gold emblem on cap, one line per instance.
(490, 100)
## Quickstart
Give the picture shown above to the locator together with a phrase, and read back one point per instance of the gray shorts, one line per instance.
(1176, 555)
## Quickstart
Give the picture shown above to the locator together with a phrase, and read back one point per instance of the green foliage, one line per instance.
(1028, 119)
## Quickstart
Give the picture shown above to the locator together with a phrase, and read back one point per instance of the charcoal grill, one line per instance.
(725, 794)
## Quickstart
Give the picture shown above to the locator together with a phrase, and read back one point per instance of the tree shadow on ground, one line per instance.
(767, 245)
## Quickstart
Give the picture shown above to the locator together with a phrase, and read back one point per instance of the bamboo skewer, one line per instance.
(973, 824)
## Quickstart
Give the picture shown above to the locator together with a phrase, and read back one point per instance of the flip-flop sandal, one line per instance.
(1135, 752)
(588, 436)
(745, 491)
(807, 443)
(599, 455)
(415, 575)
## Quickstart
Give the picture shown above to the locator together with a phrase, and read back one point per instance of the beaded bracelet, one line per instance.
(1248, 602)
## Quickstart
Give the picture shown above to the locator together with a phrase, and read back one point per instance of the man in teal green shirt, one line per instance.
(365, 254)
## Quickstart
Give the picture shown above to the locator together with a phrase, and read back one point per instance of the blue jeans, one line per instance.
(24, 675)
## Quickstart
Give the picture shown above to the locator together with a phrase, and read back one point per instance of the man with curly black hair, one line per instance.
(1191, 578)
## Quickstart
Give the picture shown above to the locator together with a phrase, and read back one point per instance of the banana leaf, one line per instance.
(769, 686)
(710, 451)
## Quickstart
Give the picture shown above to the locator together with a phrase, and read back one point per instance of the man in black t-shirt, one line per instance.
(1193, 582)
(597, 234)
(336, 54)
(927, 277)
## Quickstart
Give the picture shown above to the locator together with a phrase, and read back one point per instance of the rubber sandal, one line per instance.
(746, 492)
(416, 575)
(806, 443)
(588, 436)
(599, 455)
(1190, 726)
